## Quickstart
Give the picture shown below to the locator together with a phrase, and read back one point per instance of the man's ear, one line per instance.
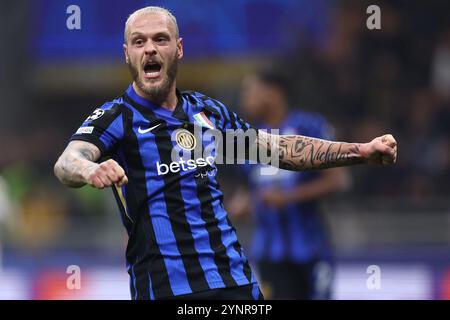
(180, 48)
(125, 51)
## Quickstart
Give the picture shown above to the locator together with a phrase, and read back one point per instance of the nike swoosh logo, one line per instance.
(142, 131)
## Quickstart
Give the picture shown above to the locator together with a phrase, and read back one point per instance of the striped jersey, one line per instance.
(180, 238)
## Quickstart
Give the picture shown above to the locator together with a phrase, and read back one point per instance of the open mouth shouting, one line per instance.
(152, 70)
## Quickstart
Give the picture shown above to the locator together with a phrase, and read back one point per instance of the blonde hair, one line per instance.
(150, 9)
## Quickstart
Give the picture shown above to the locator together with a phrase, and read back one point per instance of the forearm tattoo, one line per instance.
(302, 153)
(78, 158)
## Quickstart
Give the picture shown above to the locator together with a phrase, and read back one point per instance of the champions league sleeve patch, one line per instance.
(96, 114)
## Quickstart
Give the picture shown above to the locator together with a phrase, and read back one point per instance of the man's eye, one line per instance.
(139, 42)
(161, 39)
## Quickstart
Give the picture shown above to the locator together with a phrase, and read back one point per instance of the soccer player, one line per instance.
(181, 243)
(290, 244)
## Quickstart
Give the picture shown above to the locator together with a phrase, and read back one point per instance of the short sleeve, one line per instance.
(224, 118)
(103, 128)
(235, 122)
(236, 131)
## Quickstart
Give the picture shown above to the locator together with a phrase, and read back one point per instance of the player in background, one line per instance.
(290, 242)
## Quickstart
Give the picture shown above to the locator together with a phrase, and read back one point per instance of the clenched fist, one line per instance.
(105, 174)
(380, 151)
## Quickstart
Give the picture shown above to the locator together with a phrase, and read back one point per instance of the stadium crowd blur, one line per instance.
(366, 82)
(393, 80)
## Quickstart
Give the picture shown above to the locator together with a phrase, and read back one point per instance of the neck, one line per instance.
(168, 102)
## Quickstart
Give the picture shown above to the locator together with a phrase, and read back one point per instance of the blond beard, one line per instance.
(156, 94)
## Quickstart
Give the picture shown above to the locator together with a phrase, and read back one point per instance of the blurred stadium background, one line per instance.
(366, 82)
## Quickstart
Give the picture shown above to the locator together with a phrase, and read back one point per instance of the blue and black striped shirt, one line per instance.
(180, 238)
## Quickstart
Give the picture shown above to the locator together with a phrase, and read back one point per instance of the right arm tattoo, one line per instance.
(78, 158)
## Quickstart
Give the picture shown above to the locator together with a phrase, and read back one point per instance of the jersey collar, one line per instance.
(131, 93)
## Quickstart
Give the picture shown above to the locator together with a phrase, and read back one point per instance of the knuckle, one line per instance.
(104, 165)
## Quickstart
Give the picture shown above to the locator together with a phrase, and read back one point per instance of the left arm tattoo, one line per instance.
(302, 153)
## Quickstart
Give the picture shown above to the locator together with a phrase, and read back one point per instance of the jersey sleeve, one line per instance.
(237, 133)
(223, 118)
(103, 128)
(235, 122)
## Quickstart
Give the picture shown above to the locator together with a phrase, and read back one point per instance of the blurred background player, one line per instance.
(290, 243)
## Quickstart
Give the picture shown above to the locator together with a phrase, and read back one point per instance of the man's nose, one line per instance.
(150, 48)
